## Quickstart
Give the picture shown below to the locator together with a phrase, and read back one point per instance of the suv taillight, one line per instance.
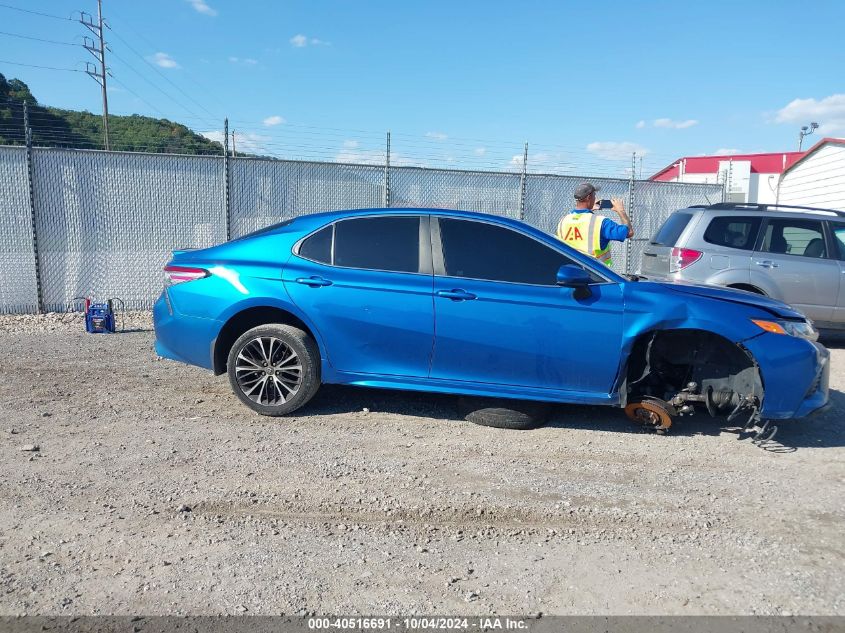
(683, 257)
(177, 274)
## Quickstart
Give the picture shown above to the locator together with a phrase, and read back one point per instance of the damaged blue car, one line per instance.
(479, 305)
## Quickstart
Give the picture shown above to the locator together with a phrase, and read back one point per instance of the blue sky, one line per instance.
(458, 83)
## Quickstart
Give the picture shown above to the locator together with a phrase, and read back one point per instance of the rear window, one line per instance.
(318, 247)
(671, 230)
(733, 232)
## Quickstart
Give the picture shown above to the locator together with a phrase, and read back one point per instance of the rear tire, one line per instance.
(274, 369)
(517, 415)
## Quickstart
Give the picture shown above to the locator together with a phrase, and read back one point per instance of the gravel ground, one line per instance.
(154, 491)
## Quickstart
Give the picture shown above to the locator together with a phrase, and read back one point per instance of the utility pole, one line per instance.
(234, 151)
(99, 53)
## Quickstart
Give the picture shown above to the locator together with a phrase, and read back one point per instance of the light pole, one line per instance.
(806, 130)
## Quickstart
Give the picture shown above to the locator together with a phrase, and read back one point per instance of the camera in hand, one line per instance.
(604, 204)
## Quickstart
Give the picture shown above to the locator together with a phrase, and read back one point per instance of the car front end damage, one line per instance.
(727, 356)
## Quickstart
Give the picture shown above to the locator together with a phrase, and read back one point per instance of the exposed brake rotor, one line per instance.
(651, 414)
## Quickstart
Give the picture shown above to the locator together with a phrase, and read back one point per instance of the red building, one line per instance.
(749, 177)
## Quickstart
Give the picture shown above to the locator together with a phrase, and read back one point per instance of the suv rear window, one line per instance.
(733, 232)
(671, 230)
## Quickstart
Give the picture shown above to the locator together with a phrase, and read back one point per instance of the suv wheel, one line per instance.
(274, 369)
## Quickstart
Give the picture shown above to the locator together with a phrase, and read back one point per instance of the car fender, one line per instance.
(728, 277)
(269, 301)
(648, 309)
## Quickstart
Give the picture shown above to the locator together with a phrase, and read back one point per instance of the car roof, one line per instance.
(785, 210)
(325, 217)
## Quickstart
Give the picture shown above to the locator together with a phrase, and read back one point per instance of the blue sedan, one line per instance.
(479, 305)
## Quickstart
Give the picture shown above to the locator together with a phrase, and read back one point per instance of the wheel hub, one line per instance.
(651, 414)
(268, 371)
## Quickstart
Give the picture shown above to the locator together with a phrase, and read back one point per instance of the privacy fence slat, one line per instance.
(106, 222)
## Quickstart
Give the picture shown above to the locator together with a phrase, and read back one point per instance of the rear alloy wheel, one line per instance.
(274, 369)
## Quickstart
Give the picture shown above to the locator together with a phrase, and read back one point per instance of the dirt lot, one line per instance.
(154, 491)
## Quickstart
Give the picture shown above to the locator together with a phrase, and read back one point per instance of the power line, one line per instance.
(70, 70)
(46, 15)
(152, 45)
(38, 39)
(154, 85)
(162, 75)
(138, 96)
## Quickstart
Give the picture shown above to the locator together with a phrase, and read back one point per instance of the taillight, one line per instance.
(177, 274)
(683, 257)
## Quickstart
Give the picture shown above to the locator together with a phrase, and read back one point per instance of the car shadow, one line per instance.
(824, 430)
(832, 339)
(335, 399)
(821, 431)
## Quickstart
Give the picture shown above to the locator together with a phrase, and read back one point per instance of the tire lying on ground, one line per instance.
(518, 415)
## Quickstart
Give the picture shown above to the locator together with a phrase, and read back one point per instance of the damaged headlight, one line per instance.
(801, 329)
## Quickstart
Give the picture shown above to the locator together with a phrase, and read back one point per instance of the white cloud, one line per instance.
(640, 124)
(437, 136)
(479, 151)
(612, 150)
(674, 125)
(164, 60)
(352, 152)
(245, 61)
(829, 112)
(248, 142)
(201, 6)
(301, 41)
(541, 161)
(726, 151)
(273, 120)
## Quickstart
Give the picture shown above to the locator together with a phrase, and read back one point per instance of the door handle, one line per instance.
(457, 294)
(314, 282)
(767, 263)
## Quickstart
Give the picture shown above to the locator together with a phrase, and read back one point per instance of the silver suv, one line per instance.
(795, 254)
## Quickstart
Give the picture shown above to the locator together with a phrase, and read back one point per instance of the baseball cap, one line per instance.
(585, 189)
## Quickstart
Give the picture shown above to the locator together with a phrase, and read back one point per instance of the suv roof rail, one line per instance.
(753, 206)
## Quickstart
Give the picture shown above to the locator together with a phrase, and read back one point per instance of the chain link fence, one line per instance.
(105, 223)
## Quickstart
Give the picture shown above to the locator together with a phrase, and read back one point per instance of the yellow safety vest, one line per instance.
(582, 231)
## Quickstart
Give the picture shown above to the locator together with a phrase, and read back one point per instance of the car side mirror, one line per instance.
(575, 277)
(572, 276)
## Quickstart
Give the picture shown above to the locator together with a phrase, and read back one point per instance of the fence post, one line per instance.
(629, 245)
(523, 182)
(226, 204)
(30, 173)
(386, 200)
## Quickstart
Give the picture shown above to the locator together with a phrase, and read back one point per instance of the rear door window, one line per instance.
(383, 243)
(670, 232)
(804, 238)
(733, 232)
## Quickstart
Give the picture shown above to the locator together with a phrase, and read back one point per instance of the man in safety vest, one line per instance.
(589, 233)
